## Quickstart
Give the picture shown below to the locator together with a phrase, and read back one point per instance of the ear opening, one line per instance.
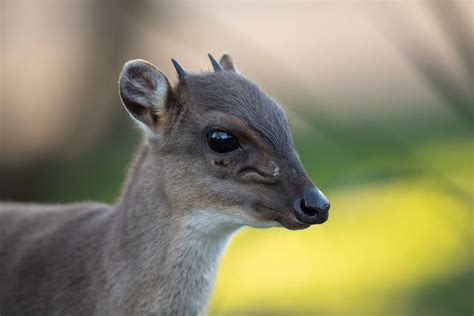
(144, 92)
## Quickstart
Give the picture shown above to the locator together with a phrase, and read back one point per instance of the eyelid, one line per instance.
(232, 131)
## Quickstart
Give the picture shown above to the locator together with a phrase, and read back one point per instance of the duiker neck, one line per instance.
(170, 256)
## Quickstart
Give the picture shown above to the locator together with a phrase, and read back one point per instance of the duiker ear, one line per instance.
(144, 90)
(227, 63)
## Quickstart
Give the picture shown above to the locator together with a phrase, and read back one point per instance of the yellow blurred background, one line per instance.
(380, 97)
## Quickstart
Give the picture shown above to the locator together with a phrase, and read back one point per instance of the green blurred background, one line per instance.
(380, 97)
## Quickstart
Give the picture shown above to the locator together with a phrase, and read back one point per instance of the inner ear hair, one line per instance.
(144, 91)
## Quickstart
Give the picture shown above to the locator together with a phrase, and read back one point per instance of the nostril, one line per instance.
(310, 211)
(312, 208)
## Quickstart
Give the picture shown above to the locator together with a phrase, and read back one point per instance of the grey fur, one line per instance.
(157, 249)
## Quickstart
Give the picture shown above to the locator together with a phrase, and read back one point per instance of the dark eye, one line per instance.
(221, 141)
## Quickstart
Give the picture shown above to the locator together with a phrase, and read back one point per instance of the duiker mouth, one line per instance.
(310, 209)
(284, 217)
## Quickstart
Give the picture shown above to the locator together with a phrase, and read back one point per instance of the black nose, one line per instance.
(313, 208)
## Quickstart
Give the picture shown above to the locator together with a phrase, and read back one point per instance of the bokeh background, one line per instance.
(380, 97)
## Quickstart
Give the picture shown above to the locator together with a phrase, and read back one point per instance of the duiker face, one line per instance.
(222, 144)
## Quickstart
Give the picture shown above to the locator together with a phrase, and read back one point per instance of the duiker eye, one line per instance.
(221, 141)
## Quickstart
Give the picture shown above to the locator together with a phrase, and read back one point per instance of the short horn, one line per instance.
(179, 69)
(215, 64)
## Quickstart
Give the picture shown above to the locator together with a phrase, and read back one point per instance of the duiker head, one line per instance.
(222, 145)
